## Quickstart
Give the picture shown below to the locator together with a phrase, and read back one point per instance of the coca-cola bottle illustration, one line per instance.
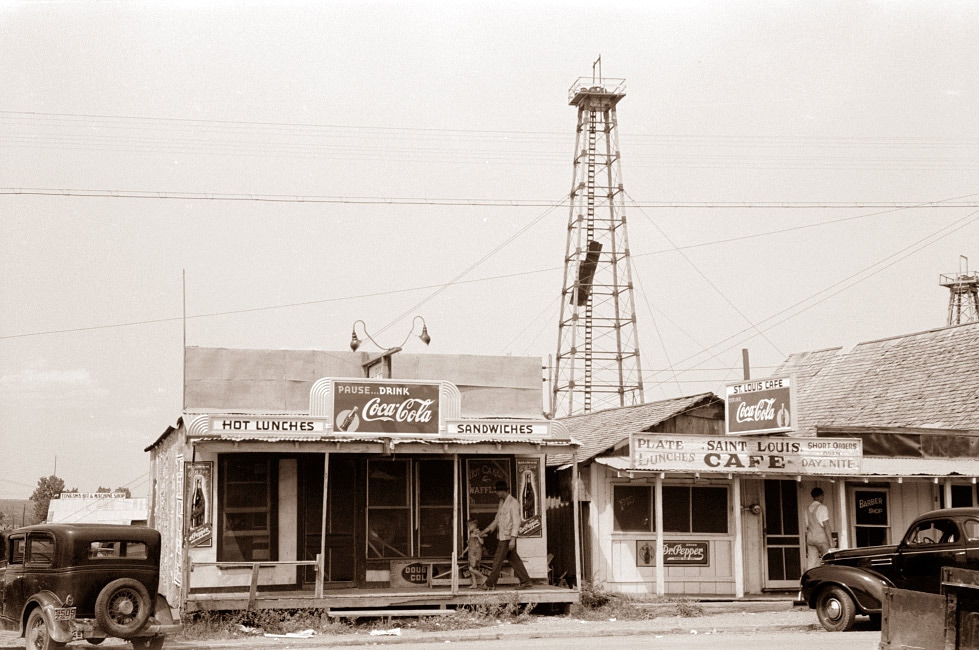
(347, 421)
(529, 495)
(198, 506)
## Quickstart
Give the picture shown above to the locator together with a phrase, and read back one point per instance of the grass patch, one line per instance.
(484, 611)
(598, 603)
(243, 623)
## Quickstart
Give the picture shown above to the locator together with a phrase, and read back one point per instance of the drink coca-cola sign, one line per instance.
(385, 407)
(760, 406)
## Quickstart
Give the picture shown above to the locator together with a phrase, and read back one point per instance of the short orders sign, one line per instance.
(759, 406)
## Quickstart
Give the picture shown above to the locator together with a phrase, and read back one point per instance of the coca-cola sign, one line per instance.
(760, 406)
(385, 407)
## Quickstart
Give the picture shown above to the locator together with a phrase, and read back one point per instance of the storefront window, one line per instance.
(632, 508)
(248, 495)
(481, 477)
(388, 509)
(688, 509)
(435, 495)
(870, 518)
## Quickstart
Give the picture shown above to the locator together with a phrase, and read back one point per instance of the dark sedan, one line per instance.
(64, 582)
(852, 581)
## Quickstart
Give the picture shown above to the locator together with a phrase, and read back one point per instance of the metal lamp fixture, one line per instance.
(356, 342)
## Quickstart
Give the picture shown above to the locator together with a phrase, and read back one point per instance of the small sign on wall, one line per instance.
(197, 502)
(675, 553)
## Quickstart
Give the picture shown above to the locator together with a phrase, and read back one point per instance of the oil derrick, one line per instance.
(597, 363)
(963, 301)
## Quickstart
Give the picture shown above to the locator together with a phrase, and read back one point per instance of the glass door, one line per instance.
(783, 542)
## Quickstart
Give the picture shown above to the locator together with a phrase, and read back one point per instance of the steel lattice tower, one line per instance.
(597, 363)
(963, 300)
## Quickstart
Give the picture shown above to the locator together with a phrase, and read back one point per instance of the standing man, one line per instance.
(818, 533)
(506, 523)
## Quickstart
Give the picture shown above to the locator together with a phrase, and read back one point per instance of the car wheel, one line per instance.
(123, 606)
(36, 635)
(148, 643)
(835, 609)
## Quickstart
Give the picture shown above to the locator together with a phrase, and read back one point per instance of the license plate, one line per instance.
(64, 613)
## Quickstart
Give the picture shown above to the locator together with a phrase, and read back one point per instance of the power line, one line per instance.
(480, 202)
(896, 257)
(437, 286)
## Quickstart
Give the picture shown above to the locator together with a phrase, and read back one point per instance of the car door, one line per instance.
(11, 586)
(927, 547)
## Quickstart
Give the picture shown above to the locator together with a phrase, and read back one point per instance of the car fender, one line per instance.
(866, 587)
(60, 631)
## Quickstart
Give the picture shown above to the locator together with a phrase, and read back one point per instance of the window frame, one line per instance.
(650, 489)
(271, 505)
(29, 560)
(405, 508)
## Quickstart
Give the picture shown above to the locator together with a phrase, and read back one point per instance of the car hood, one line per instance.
(849, 554)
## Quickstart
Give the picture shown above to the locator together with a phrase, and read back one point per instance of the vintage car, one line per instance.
(852, 581)
(65, 582)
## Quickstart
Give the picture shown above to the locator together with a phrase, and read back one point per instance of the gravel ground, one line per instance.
(733, 619)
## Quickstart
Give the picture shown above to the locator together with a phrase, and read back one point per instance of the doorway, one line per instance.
(783, 542)
(341, 564)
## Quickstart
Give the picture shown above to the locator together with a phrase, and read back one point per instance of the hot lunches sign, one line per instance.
(386, 407)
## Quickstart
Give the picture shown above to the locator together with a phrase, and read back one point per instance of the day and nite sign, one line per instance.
(771, 455)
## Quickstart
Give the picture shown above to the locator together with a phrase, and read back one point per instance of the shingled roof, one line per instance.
(600, 431)
(927, 379)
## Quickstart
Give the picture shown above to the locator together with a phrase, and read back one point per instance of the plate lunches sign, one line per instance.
(754, 455)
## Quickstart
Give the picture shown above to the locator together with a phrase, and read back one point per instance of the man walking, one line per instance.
(818, 533)
(506, 523)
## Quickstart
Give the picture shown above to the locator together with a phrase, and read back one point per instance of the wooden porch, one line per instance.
(383, 600)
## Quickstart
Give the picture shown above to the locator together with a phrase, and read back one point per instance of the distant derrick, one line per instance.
(597, 363)
(963, 301)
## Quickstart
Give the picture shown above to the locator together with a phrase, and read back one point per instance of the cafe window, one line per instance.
(248, 496)
(870, 518)
(690, 509)
(435, 494)
(632, 508)
(388, 509)
(686, 509)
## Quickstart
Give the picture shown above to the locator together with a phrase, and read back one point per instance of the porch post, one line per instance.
(844, 532)
(455, 524)
(948, 493)
(321, 567)
(576, 519)
(660, 564)
(738, 540)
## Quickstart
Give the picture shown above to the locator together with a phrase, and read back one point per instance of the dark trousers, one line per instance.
(503, 553)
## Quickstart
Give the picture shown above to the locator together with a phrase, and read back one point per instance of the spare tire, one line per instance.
(123, 607)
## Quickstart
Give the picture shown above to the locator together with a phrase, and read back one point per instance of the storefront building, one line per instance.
(675, 504)
(358, 498)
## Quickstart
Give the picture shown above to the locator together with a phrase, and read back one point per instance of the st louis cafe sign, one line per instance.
(760, 406)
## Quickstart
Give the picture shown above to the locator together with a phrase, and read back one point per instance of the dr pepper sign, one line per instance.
(760, 406)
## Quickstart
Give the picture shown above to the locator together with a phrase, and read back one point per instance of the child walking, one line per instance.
(475, 548)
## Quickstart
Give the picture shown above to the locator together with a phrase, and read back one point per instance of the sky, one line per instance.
(798, 177)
